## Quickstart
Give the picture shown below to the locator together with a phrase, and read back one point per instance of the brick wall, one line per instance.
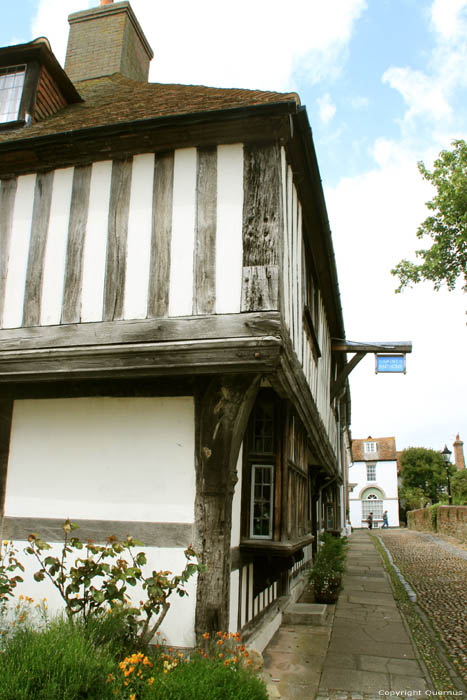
(450, 520)
(420, 520)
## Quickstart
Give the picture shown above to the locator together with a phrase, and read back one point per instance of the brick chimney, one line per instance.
(106, 40)
(459, 453)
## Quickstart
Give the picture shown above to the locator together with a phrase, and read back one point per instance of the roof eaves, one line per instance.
(151, 123)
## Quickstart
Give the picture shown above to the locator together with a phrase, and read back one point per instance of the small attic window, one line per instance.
(11, 90)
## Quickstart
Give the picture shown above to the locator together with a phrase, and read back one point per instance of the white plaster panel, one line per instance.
(237, 503)
(229, 244)
(183, 232)
(139, 237)
(102, 458)
(95, 246)
(179, 624)
(19, 252)
(56, 249)
(234, 599)
(243, 601)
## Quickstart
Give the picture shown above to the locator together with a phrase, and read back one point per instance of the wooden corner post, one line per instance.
(223, 413)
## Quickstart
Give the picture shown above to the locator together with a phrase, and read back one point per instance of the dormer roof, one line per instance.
(40, 84)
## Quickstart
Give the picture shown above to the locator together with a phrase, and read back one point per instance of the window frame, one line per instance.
(254, 467)
(4, 72)
(371, 472)
(370, 447)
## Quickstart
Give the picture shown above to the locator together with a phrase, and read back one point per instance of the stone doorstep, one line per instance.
(305, 614)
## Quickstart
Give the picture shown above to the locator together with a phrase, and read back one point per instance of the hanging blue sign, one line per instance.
(390, 363)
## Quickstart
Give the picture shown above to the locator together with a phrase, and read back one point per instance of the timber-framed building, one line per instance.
(168, 295)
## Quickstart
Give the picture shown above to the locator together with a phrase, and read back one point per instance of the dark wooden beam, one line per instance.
(158, 330)
(257, 124)
(338, 385)
(222, 414)
(397, 346)
(6, 413)
(142, 360)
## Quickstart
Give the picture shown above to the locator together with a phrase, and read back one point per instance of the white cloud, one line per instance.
(429, 94)
(249, 44)
(448, 19)
(423, 95)
(326, 108)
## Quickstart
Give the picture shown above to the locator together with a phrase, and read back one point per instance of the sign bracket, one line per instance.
(361, 349)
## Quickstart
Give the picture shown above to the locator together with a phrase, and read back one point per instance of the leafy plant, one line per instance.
(105, 563)
(445, 262)
(328, 568)
(459, 488)
(9, 564)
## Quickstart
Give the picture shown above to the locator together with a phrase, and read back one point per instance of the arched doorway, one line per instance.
(372, 502)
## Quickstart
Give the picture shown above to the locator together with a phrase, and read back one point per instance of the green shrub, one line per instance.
(58, 663)
(203, 679)
(328, 568)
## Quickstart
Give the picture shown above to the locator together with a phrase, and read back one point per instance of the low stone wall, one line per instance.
(421, 520)
(452, 520)
(447, 520)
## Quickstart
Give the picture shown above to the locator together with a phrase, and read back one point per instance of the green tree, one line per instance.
(424, 469)
(413, 497)
(459, 488)
(445, 262)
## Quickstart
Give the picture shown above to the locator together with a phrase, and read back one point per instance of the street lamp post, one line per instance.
(446, 454)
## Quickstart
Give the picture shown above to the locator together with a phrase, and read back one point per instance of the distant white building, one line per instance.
(373, 482)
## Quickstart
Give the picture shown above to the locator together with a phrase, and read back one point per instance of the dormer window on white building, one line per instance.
(369, 447)
(371, 472)
(11, 90)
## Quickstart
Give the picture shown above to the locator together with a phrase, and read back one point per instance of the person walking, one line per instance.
(370, 521)
(385, 519)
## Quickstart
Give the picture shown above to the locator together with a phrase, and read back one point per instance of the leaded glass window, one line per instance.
(11, 89)
(263, 428)
(262, 499)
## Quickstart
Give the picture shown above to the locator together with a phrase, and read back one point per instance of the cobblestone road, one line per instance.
(439, 577)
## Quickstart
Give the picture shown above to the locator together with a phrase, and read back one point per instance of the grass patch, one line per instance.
(58, 663)
(421, 635)
(90, 661)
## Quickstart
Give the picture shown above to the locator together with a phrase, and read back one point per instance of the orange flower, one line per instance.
(206, 635)
(221, 656)
(220, 642)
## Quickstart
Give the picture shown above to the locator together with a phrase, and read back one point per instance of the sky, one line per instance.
(385, 86)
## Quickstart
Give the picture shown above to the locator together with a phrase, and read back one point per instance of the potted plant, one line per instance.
(328, 569)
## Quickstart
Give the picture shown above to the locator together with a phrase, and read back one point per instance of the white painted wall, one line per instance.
(55, 252)
(139, 237)
(229, 243)
(178, 626)
(102, 458)
(386, 482)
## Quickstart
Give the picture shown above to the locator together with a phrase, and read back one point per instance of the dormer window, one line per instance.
(369, 447)
(11, 90)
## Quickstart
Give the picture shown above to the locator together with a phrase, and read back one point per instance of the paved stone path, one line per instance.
(369, 654)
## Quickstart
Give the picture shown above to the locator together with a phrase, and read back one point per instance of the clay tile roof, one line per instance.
(385, 450)
(116, 99)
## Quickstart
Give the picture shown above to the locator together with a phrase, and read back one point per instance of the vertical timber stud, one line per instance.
(262, 212)
(6, 413)
(223, 415)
